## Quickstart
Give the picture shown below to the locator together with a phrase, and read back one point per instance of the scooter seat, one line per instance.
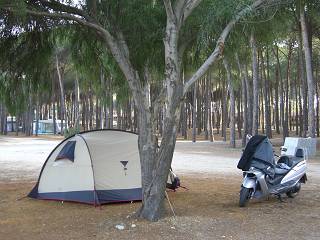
(281, 168)
(280, 171)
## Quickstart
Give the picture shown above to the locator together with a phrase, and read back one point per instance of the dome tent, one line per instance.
(93, 167)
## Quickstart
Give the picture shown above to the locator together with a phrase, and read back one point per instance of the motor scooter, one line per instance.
(262, 176)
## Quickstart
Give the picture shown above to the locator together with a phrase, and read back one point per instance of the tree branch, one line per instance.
(57, 6)
(183, 9)
(169, 10)
(220, 43)
(117, 47)
(189, 7)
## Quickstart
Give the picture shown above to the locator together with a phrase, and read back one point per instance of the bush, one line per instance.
(71, 131)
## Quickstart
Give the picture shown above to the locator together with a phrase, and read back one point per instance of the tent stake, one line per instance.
(167, 197)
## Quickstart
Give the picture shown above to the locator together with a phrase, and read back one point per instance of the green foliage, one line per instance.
(142, 23)
(71, 132)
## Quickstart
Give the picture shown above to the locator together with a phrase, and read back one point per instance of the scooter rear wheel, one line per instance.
(244, 196)
(294, 192)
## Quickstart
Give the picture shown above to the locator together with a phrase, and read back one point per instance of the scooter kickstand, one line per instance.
(280, 198)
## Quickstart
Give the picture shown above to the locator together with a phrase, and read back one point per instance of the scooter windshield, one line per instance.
(258, 149)
(264, 152)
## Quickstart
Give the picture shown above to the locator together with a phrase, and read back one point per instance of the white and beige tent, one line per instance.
(92, 167)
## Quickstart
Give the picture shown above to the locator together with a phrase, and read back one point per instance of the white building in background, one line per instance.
(11, 124)
(46, 126)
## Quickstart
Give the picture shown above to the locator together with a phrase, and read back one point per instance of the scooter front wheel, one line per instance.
(244, 196)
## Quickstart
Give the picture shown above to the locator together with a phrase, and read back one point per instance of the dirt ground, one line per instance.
(207, 210)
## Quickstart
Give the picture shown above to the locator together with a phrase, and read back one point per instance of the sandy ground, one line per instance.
(208, 210)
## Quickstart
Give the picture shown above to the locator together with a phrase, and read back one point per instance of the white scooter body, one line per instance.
(262, 186)
(265, 177)
(296, 173)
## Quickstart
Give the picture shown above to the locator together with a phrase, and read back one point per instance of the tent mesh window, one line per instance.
(67, 152)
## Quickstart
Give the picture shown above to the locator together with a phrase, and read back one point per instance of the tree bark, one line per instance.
(286, 113)
(244, 100)
(76, 103)
(276, 102)
(206, 109)
(194, 114)
(232, 104)
(310, 81)
(267, 114)
(62, 96)
(255, 107)
(249, 99)
(209, 124)
(224, 114)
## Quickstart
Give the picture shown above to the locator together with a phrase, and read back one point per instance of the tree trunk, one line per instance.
(255, 106)
(317, 98)
(198, 109)
(224, 114)
(286, 115)
(276, 102)
(155, 168)
(62, 98)
(37, 115)
(206, 109)
(210, 124)
(97, 113)
(90, 104)
(244, 100)
(239, 118)
(267, 114)
(249, 99)
(83, 111)
(304, 90)
(232, 104)
(276, 53)
(184, 120)
(194, 114)
(76, 104)
(310, 81)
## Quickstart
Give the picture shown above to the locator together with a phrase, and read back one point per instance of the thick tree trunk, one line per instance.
(310, 81)
(255, 106)
(155, 167)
